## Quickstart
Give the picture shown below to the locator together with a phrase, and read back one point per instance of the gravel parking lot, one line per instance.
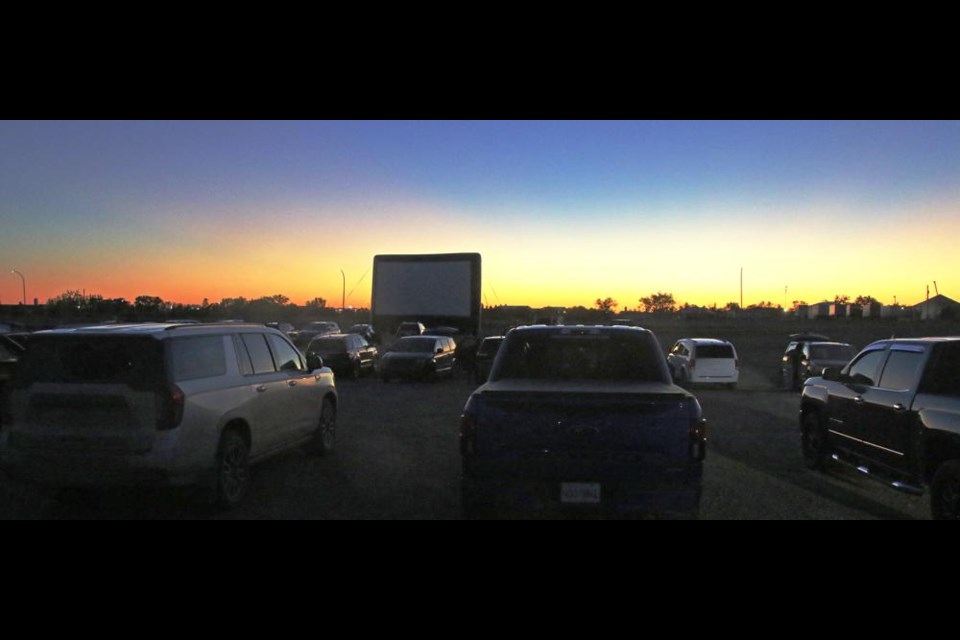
(397, 458)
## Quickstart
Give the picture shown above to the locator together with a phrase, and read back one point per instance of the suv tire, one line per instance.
(233, 470)
(324, 438)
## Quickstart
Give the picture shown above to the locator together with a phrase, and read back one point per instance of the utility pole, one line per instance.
(343, 292)
(741, 287)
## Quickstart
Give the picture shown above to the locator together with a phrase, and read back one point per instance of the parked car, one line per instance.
(367, 331)
(795, 343)
(283, 327)
(581, 421)
(804, 360)
(486, 353)
(442, 331)
(11, 350)
(306, 333)
(418, 357)
(163, 404)
(704, 361)
(893, 413)
(347, 354)
(410, 329)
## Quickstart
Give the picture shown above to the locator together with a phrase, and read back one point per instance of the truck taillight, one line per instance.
(698, 439)
(468, 434)
(693, 362)
(169, 407)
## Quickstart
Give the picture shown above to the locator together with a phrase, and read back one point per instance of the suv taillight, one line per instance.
(169, 407)
(468, 434)
(698, 439)
(693, 362)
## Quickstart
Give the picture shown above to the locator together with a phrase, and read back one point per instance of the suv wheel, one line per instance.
(233, 470)
(813, 441)
(324, 437)
(945, 492)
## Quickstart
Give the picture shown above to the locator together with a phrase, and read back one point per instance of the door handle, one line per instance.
(261, 388)
(899, 408)
(291, 383)
(858, 400)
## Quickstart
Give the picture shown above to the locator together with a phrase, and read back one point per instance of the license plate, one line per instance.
(580, 492)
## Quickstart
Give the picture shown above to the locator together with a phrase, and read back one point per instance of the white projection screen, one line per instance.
(431, 288)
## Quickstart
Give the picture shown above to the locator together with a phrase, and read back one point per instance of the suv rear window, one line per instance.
(136, 361)
(554, 356)
(328, 345)
(714, 351)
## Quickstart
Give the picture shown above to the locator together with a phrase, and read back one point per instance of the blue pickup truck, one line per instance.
(581, 421)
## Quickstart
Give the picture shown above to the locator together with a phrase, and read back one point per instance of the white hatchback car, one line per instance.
(704, 361)
(162, 404)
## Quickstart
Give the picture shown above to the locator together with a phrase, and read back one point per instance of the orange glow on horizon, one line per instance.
(528, 260)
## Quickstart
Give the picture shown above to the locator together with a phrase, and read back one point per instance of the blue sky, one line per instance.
(227, 208)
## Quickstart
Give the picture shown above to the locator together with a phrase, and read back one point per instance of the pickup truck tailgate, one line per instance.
(582, 432)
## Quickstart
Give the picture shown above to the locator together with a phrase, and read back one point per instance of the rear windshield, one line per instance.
(136, 361)
(554, 356)
(414, 345)
(489, 347)
(328, 345)
(714, 351)
(831, 352)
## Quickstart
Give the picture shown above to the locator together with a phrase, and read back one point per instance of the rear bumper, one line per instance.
(672, 495)
(728, 379)
(158, 467)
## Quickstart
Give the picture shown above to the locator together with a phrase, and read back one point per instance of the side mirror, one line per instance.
(831, 373)
(439, 349)
(314, 361)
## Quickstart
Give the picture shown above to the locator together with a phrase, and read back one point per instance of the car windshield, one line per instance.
(555, 356)
(831, 352)
(414, 345)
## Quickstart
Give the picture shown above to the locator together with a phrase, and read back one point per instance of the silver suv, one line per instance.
(162, 403)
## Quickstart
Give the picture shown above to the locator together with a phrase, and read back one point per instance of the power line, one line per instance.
(359, 281)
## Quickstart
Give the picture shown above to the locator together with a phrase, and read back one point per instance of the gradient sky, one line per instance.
(561, 212)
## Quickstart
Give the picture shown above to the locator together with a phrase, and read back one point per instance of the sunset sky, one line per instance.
(561, 212)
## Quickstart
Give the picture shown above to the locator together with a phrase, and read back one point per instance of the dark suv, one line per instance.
(804, 360)
(347, 354)
(419, 357)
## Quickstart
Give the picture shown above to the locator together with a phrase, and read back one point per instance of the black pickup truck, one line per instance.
(581, 422)
(893, 412)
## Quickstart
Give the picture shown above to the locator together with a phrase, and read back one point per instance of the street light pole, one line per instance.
(343, 292)
(24, 282)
